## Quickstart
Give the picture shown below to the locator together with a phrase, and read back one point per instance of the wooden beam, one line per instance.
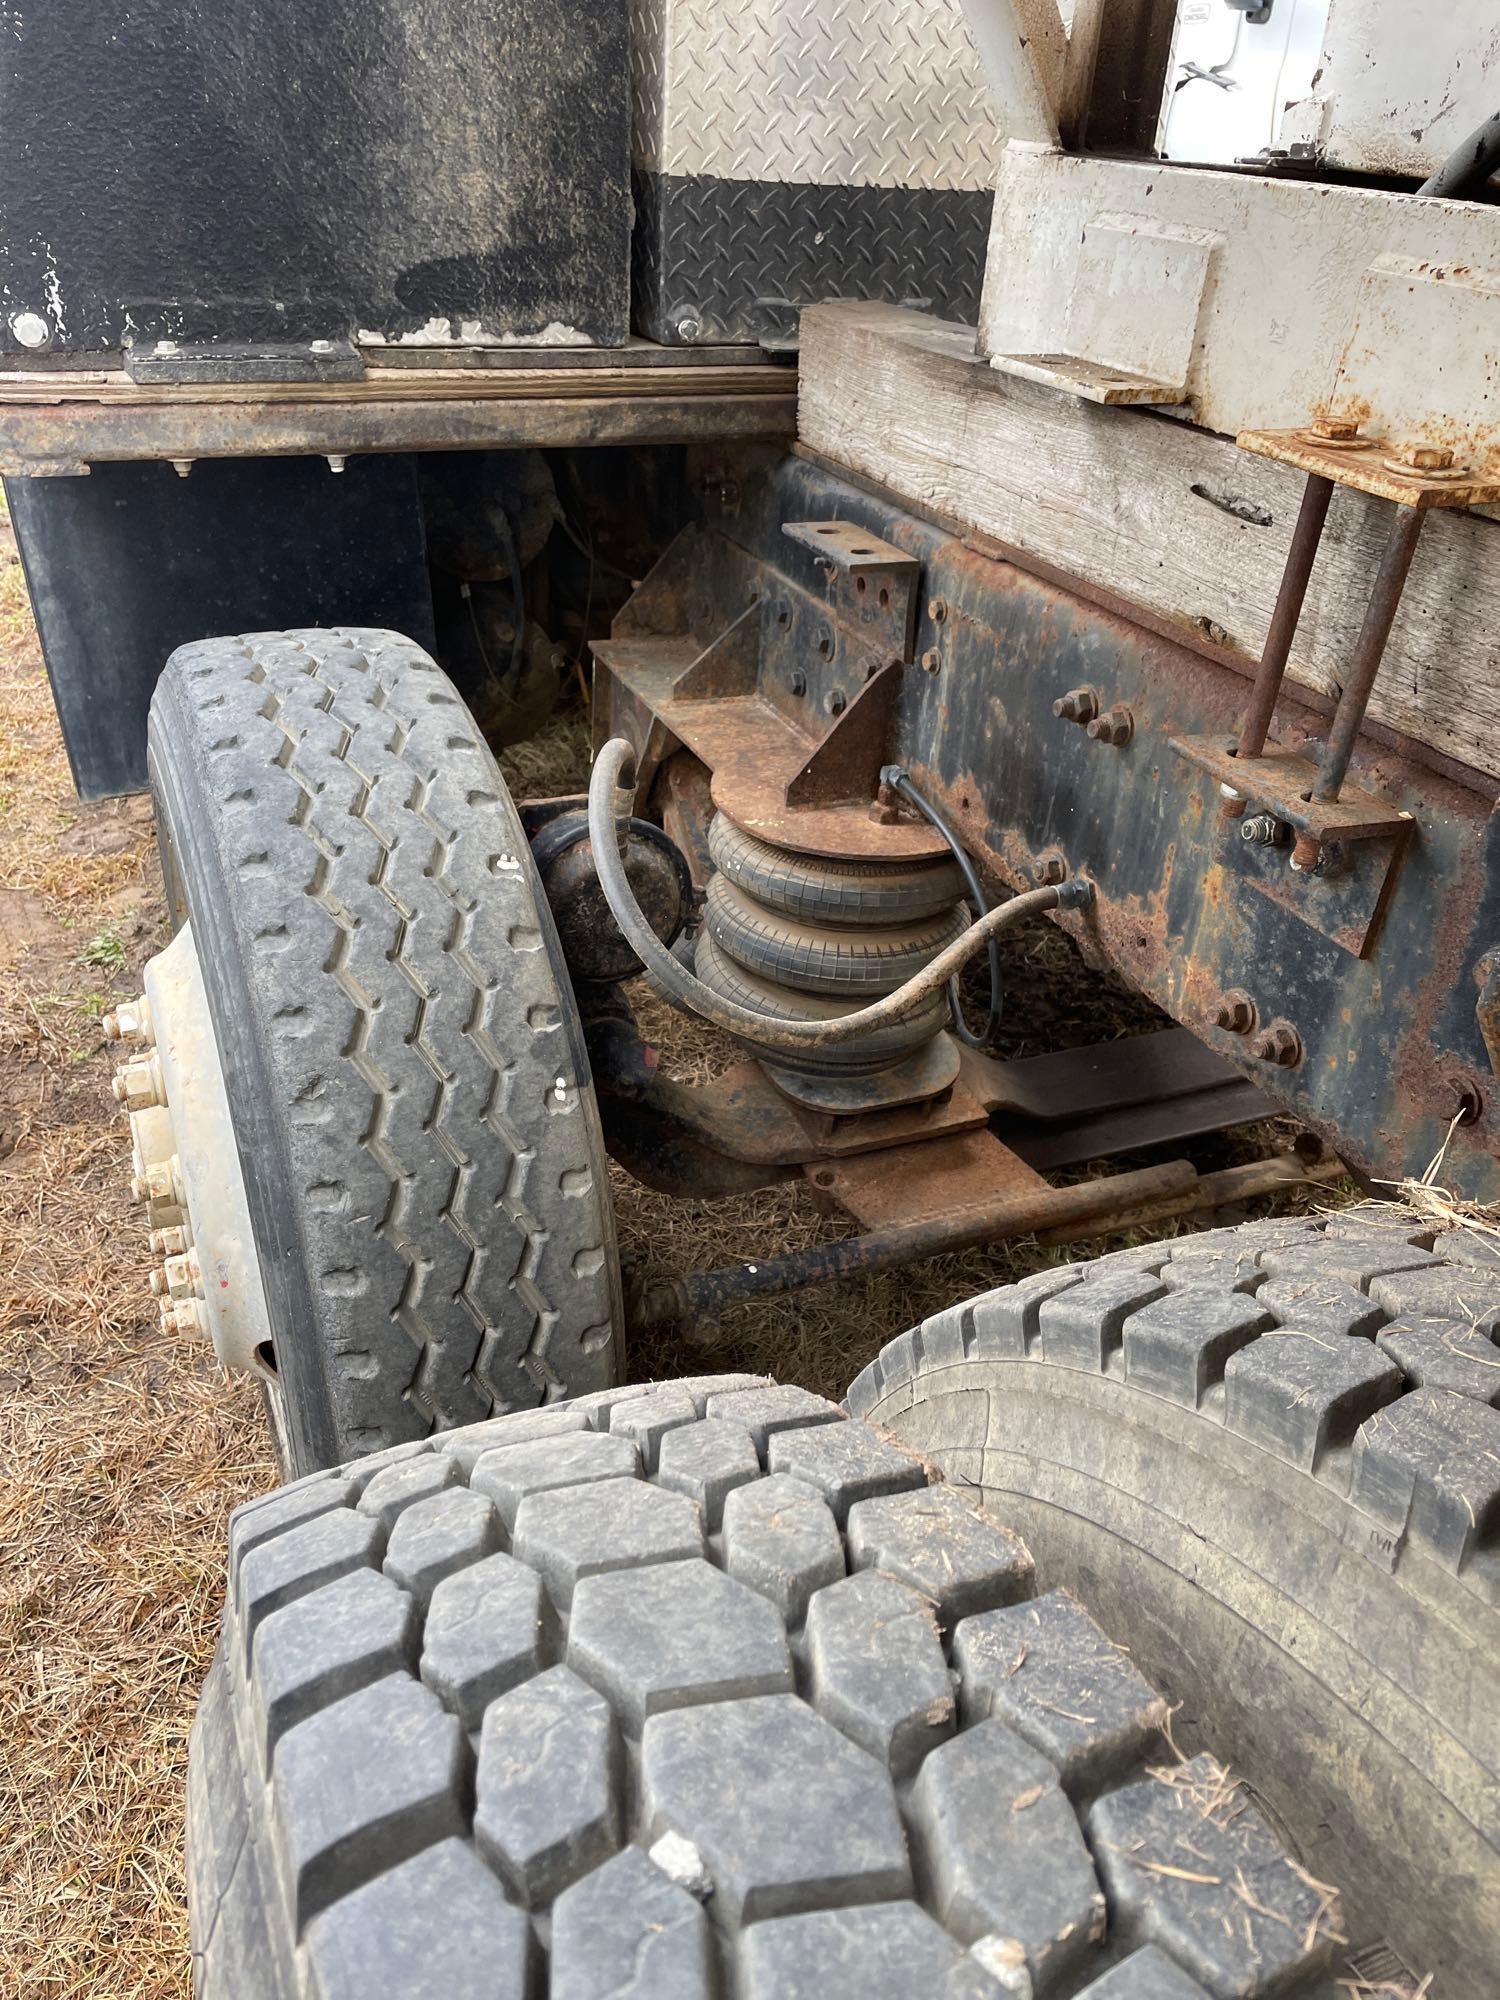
(1175, 520)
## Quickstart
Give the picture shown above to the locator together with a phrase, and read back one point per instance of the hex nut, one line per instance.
(1078, 705)
(1115, 727)
(129, 1023)
(932, 660)
(140, 1086)
(1236, 1012)
(838, 701)
(1280, 1044)
(169, 1242)
(937, 609)
(1051, 868)
(798, 683)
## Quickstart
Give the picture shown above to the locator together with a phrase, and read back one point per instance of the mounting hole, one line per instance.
(884, 597)
(860, 585)
(1468, 1103)
(824, 1177)
(265, 1354)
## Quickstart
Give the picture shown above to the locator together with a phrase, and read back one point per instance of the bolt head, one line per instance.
(1235, 1012)
(688, 328)
(1427, 458)
(31, 330)
(1079, 705)
(798, 683)
(937, 609)
(1050, 869)
(1280, 1045)
(838, 701)
(932, 660)
(1338, 428)
(157, 1280)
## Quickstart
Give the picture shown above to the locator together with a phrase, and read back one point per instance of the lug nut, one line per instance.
(1116, 726)
(1051, 868)
(139, 1086)
(1079, 705)
(130, 1023)
(162, 1181)
(182, 1315)
(1280, 1044)
(169, 1242)
(1235, 1012)
(182, 1275)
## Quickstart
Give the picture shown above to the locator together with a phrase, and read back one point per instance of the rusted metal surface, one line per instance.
(936, 1182)
(1391, 1038)
(796, 738)
(1280, 780)
(1374, 465)
(747, 1129)
(1055, 1214)
(56, 420)
(1306, 536)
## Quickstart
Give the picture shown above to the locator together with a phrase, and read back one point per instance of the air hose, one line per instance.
(899, 782)
(684, 990)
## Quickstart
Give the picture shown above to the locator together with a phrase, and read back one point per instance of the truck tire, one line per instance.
(1270, 1458)
(687, 1690)
(402, 1059)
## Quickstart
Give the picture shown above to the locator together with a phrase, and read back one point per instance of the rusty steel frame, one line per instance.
(1373, 966)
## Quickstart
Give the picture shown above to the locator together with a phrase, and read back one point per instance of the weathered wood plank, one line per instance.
(1177, 520)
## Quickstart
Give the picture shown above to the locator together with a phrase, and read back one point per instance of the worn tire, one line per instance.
(410, 1094)
(1270, 1459)
(822, 891)
(692, 1689)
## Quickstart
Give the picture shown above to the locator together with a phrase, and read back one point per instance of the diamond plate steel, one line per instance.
(882, 93)
(737, 260)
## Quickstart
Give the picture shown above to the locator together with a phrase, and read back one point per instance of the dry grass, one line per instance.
(124, 1451)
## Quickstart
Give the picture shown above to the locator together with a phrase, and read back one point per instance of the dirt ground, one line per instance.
(124, 1449)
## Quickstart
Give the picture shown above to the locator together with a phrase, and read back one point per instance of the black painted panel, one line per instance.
(132, 561)
(737, 260)
(292, 170)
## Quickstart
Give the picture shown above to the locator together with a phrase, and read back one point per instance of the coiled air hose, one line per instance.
(681, 987)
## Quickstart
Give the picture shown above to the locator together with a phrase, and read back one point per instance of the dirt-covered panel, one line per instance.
(265, 170)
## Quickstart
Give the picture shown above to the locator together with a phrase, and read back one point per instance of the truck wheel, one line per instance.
(1270, 1458)
(404, 1069)
(688, 1690)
